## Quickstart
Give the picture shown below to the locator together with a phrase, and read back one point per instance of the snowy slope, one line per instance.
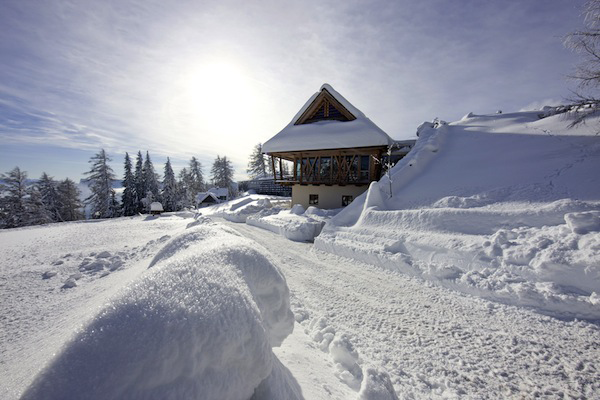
(504, 206)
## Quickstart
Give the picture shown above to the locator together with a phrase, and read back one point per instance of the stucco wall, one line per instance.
(329, 196)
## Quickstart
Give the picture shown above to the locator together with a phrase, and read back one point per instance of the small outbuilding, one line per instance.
(156, 208)
(206, 199)
(221, 193)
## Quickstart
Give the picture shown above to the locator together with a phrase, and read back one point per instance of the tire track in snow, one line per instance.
(432, 341)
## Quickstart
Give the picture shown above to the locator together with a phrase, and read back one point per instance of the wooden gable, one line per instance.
(325, 107)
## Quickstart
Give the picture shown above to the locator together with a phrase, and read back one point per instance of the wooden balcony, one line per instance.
(329, 167)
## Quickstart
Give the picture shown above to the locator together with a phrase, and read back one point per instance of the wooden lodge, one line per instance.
(336, 151)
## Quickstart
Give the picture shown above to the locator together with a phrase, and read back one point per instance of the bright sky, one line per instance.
(207, 78)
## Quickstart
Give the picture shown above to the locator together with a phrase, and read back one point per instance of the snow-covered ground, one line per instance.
(177, 304)
(478, 278)
(503, 206)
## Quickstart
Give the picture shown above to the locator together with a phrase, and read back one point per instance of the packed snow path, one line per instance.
(433, 342)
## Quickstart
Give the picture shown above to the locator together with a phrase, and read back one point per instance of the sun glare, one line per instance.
(218, 95)
(214, 102)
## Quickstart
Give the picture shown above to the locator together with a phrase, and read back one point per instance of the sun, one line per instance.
(214, 104)
(218, 94)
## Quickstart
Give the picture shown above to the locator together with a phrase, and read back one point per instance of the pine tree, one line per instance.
(49, 195)
(70, 206)
(184, 189)
(222, 174)
(587, 73)
(196, 177)
(140, 184)
(257, 166)
(169, 191)
(13, 201)
(151, 183)
(36, 212)
(102, 200)
(129, 199)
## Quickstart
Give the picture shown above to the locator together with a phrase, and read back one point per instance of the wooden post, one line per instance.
(273, 167)
(280, 169)
(295, 168)
(301, 169)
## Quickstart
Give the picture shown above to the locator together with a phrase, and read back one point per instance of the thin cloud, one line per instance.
(121, 74)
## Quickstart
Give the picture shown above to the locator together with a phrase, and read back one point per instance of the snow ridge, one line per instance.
(200, 322)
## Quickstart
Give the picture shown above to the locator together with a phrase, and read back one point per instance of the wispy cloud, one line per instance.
(205, 78)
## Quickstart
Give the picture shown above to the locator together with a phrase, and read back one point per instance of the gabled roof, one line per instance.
(325, 107)
(203, 196)
(219, 191)
(327, 121)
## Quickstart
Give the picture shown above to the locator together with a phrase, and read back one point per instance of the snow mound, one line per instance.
(583, 222)
(288, 224)
(377, 385)
(502, 206)
(200, 323)
(239, 210)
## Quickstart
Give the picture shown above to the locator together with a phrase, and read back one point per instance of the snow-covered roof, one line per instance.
(219, 191)
(328, 134)
(202, 196)
(156, 206)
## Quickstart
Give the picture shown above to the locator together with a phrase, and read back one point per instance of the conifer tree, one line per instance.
(222, 174)
(129, 199)
(183, 189)
(36, 212)
(102, 200)
(196, 178)
(13, 201)
(169, 191)
(151, 182)
(140, 184)
(70, 206)
(257, 166)
(587, 43)
(49, 195)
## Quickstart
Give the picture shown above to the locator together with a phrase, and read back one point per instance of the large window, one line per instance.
(332, 169)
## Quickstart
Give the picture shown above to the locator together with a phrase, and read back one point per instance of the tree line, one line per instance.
(46, 200)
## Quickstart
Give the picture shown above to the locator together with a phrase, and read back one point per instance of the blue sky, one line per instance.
(208, 78)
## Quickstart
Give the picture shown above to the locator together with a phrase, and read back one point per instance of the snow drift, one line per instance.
(200, 323)
(503, 206)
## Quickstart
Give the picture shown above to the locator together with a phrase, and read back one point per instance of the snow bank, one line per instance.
(295, 224)
(238, 210)
(503, 206)
(273, 213)
(200, 323)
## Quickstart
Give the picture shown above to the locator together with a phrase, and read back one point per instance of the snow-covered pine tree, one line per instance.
(183, 189)
(36, 212)
(140, 184)
(129, 199)
(196, 178)
(102, 199)
(169, 191)
(257, 166)
(13, 200)
(151, 182)
(46, 186)
(70, 206)
(222, 174)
